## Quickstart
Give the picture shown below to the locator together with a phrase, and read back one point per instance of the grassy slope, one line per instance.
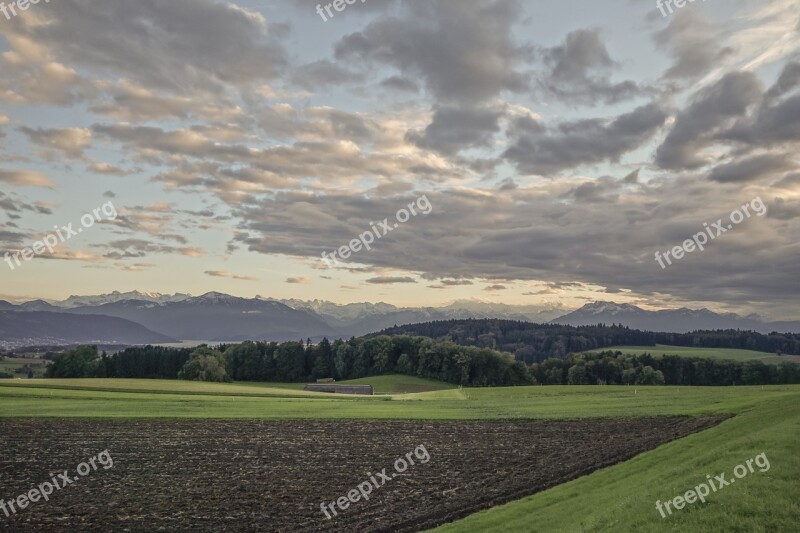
(387, 384)
(713, 353)
(622, 497)
(400, 384)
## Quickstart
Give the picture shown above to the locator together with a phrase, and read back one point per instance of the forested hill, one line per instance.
(536, 342)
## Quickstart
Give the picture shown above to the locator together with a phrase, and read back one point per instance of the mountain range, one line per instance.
(142, 317)
(681, 320)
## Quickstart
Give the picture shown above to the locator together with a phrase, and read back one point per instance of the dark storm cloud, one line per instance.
(538, 150)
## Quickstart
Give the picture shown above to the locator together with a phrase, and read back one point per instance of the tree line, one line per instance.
(615, 368)
(532, 343)
(298, 362)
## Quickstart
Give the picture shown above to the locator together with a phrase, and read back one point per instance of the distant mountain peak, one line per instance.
(681, 320)
(612, 308)
(215, 297)
(117, 296)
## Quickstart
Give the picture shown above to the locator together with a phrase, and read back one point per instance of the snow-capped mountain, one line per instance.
(216, 316)
(116, 296)
(362, 318)
(680, 320)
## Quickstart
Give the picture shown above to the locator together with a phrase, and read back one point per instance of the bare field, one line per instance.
(214, 475)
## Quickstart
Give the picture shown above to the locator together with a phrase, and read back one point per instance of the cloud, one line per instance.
(455, 128)
(107, 169)
(493, 288)
(225, 274)
(751, 169)
(319, 74)
(389, 280)
(299, 280)
(137, 248)
(25, 178)
(462, 51)
(541, 150)
(579, 71)
(455, 282)
(711, 109)
(198, 44)
(693, 44)
(70, 142)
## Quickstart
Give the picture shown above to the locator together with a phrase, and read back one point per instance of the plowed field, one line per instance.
(215, 475)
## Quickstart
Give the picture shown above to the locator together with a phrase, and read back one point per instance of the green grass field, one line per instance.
(399, 384)
(11, 364)
(619, 498)
(623, 497)
(713, 353)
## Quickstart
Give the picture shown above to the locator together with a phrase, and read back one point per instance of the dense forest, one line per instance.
(417, 356)
(536, 342)
(297, 362)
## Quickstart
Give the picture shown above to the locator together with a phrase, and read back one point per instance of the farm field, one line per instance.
(452, 423)
(274, 475)
(712, 353)
(11, 364)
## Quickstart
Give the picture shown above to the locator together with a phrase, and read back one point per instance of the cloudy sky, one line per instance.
(560, 144)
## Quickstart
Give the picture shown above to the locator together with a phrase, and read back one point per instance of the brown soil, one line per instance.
(213, 475)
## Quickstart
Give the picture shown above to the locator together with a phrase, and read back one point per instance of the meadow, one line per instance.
(12, 364)
(734, 354)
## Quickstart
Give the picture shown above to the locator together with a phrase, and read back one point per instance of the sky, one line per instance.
(558, 145)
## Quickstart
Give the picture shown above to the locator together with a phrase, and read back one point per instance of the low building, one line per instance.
(341, 389)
